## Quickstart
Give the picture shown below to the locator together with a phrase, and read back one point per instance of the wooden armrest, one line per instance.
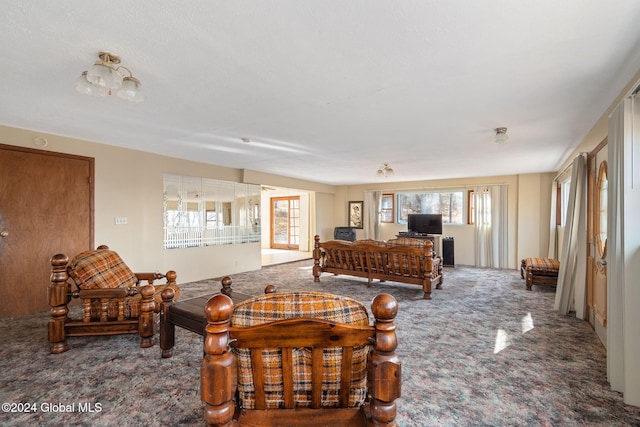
(105, 293)
(149, 277)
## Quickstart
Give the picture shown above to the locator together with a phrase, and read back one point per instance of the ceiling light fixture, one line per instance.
(106, 76)
(385, 171)
(501, 135)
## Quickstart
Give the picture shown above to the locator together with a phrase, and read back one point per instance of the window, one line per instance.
(563, 202)
(202, 212)
(449, 203)
(386, 208)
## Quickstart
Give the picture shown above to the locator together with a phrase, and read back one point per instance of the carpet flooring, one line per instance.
(483, 352)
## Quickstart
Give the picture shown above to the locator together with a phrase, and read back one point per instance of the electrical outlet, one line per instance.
(120, 220)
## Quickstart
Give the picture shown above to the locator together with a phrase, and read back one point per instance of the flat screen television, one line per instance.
(424, 223)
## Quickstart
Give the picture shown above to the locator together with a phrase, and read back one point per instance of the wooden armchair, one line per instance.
(114, 299)
(300, 359)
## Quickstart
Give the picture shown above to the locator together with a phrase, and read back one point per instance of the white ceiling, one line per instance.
(327, 90)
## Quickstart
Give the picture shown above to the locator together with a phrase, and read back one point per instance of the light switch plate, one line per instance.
(120, 220)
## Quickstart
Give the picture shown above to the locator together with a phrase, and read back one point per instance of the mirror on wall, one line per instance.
(601, 210)
(203, 212)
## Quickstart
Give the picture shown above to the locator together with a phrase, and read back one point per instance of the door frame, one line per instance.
(272, 243)
(596, 270)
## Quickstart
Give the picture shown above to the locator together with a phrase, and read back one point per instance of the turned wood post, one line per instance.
(59, 296)
(226, 286)
(167, 330)
(384, 370)
(145, 321)
(171, 276)
(427, 283)
(218, 372)
(316, 259)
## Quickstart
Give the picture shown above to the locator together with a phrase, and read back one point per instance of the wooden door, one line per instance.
(46, 207)
(285, 222)
(597, 254)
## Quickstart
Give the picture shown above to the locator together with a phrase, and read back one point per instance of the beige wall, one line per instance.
(527, 194)
(129, 184)
(325, 210)
(534, 221)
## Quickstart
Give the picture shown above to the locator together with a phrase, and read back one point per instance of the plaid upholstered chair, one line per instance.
(300, 359)
(115, 300)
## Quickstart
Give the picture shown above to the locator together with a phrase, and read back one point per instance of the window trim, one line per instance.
(393, 208)
(471, 207)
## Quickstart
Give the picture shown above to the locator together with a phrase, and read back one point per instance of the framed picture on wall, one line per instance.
(355, 214)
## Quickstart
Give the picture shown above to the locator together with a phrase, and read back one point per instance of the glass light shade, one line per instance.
(84, 86)
(131, 90)
(103, 74)
(384, 171)
(501, 138)
(501, 135)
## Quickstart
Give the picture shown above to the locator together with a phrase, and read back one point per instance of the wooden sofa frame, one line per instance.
(404, 264)
(60, 294)
(218, 372)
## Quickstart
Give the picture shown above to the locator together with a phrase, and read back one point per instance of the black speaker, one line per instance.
(447, 252)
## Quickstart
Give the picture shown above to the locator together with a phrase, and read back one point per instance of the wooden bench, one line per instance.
(375, 260)
(540, 271)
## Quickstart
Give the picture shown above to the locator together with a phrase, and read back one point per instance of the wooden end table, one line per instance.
(188, 314)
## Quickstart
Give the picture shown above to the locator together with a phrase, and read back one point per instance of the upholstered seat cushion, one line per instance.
(407, 241)
(131, 303)
(374, 242)
(542, 266)
(101, 268)
(276, 306)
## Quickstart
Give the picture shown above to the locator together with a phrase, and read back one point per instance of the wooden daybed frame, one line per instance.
(376, 260)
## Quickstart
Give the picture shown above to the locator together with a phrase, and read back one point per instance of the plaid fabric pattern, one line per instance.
(406, 241)
(542, 266)
(131, 304)
(271, 307)
(381, 243)
(101, 268)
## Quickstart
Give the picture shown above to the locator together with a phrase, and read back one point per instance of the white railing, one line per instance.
(186, 237)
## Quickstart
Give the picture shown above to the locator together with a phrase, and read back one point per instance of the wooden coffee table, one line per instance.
(189, 314)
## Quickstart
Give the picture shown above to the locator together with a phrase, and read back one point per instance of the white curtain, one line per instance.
(615, 249)
(571, 289)
(371, 218)
(491, 243)
(553, 228)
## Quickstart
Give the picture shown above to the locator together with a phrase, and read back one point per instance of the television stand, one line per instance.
(435, 238)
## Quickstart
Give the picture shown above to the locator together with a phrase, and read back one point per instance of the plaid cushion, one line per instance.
(407, 241)
(131, 303)
(542, 266)
(381, 243)
(271, 307)
(101, 268)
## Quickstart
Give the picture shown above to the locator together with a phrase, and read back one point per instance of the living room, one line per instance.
(128, 183)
